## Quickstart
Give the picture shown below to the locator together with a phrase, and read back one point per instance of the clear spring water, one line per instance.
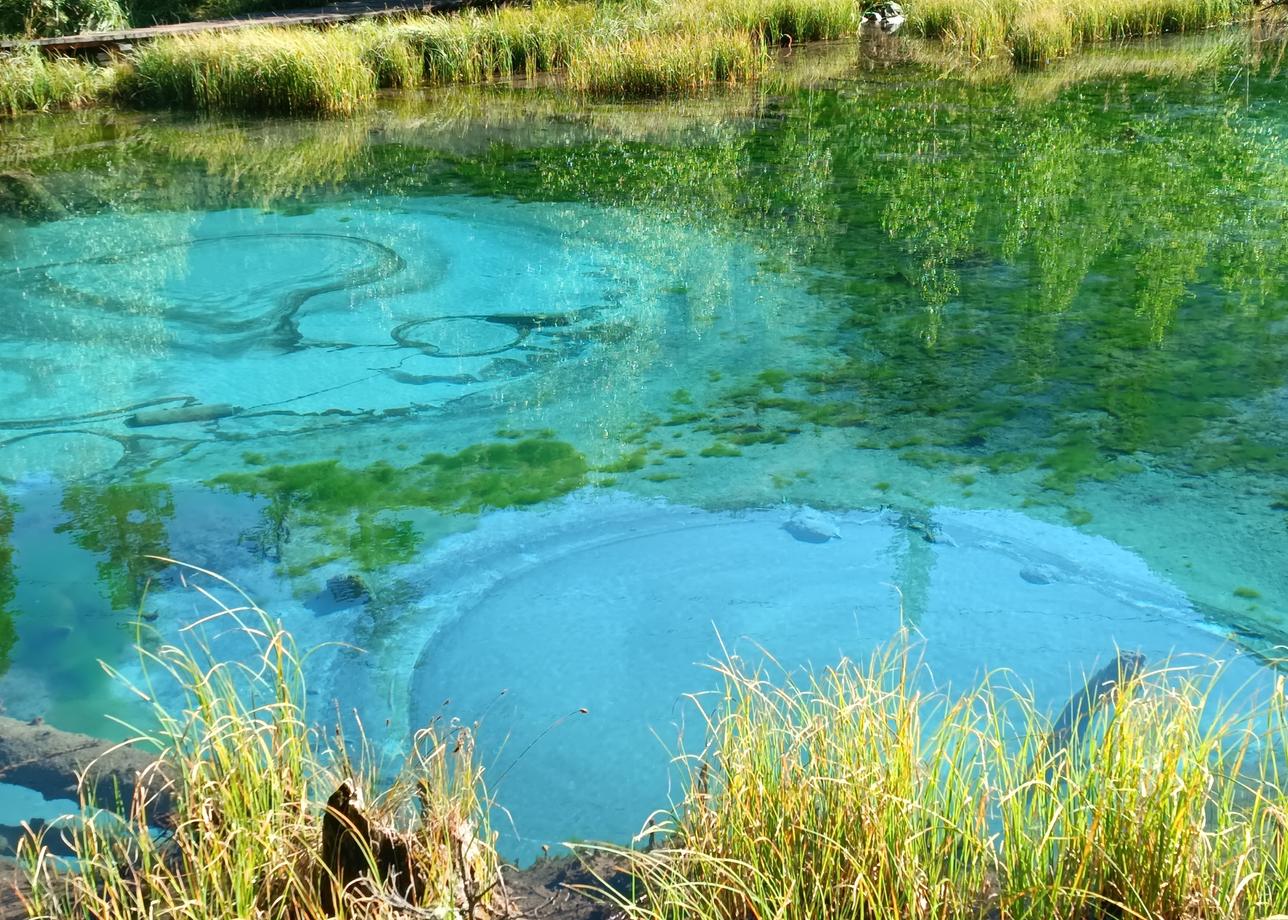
(557, 382)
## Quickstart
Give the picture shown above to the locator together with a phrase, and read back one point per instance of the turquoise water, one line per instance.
(583, 395)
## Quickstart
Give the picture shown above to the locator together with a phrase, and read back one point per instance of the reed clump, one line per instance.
(657, 65)
(258, 805)
(1033, 32)
(395, 63)
(255, 71)
(1040, 34)
(860, 793)
(30, 82)
(474, 46)
(771, 21)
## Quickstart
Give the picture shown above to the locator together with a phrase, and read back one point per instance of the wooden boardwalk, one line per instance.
(96, 43)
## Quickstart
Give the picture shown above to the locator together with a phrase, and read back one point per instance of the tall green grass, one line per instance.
(1033, 32)
(31, 82)
(770, 21)
(473, 46)
(394, 62)
(270, 71)
(657, 65)
(251, 775)
(861, 794)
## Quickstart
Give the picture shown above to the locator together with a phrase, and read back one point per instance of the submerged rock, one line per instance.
(811, 526)
(924, 526)
(342, 592)
(1040, 574)
(346, 589)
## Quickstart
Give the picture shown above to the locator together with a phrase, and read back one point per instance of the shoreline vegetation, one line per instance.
(859, 791)
(619, 49)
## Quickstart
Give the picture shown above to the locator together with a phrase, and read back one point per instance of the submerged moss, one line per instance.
(774, 378)
(375, 544)
(1078, 516)
(1080, 457)
(627, 463)
(349, 507)
(661, 476)
(719, 449)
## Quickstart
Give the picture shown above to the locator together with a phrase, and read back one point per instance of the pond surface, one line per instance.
(542, 405)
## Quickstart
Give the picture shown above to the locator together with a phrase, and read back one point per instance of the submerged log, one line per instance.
(200, 413)
(1100, 687)
(22, 195)
(53, 762)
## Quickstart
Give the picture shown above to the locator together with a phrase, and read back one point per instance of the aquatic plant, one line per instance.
(263, 71)
(770, 21)
(249, 775)
(31, 82)
(346, 506)
(394, 61)
(862, 792)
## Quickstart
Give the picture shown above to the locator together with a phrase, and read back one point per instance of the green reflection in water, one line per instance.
(1102, 275)
(8, 582)
(123, 524)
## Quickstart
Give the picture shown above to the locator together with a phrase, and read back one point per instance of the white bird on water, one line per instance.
(887, 17)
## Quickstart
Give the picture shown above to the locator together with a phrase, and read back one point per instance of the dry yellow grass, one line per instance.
(861, 793)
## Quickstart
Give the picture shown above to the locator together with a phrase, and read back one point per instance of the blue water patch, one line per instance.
(577, 640)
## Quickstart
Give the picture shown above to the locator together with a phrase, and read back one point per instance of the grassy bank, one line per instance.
(254, 783)
(857, 795)
(30, 82)
(621, 49)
